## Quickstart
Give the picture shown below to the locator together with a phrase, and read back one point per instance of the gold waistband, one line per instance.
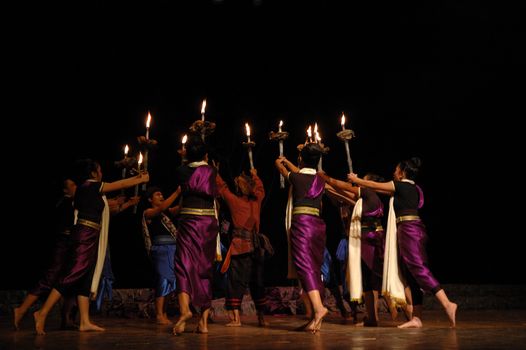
(88, 223)
(376, 228)
(198, 211)
(306, 210)
(407, 218)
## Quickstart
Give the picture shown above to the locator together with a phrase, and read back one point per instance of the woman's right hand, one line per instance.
(144, 176)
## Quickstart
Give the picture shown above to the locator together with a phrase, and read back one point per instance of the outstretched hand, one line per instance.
(144, 176)
(352, 177)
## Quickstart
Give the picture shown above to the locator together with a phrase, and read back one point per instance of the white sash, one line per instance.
(354, 264)
(103, 244)
(392, 285)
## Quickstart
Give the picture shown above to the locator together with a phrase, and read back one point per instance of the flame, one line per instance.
(139, 162)
(318, 137)
(126, 149)
(309, 132)
(185, 138)
(248, 129)
(343, 119)
(203, 106)
(315, 128)
(280, 123)
(148, 120)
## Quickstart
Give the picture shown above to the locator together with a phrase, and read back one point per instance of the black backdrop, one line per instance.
(438, 81)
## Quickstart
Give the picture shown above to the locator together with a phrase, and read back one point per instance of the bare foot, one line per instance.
(202, 329)
(181, 323)
(17, 318)
(451, 311)
(90, 327)
(163, 320)
(414, 323)
(318, 319)
(233, 324)
(303, 327)
(40, 322)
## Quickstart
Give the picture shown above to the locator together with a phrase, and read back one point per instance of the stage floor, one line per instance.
(488, 329)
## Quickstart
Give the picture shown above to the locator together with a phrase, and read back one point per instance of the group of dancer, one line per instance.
(183, 242)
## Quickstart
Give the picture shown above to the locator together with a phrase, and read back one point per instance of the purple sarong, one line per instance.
(58, 262)
(81, 261)
(307, 241)
(196, 244)
(194, 257)
(412, 237)
(372, 251)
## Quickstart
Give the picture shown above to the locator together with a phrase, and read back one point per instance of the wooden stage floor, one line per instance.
(487, 329)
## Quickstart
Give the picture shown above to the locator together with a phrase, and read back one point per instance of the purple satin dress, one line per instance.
(307, 240)
(412, 238)
(196, 244)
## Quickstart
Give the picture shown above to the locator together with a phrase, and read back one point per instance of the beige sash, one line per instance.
(103, 244)
(354, 264)
(392, 285)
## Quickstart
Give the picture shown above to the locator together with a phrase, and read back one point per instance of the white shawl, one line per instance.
(392, 285)
(103, 244)
(354, 263)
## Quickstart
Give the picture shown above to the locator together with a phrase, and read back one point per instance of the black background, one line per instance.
(441, 81)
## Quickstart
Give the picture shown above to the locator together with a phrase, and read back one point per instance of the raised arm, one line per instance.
(259, 190)
(125, 183)
(339, 185)
(223, 190)
(340, 196)
(155, 211)
(284, 166)
(119, 203)
(380, 187)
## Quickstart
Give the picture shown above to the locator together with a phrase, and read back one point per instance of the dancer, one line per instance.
(65, 219)
(244, 260)
(160, 236)
(368, 213)
(307, 230)
(407, 198)
(196, 240)
(93, 214)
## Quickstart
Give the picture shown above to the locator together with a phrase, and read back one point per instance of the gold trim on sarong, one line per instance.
(306, 210)
(88, 223)
(407, 218)
(198, 211)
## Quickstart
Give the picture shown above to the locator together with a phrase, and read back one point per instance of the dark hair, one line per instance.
(310, 155)
(150, 191)
(251, 183)
(374, 177)
(196, 149)
(82, 169)
(410, 167)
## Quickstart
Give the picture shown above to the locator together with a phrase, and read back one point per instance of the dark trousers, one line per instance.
(245, 271)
